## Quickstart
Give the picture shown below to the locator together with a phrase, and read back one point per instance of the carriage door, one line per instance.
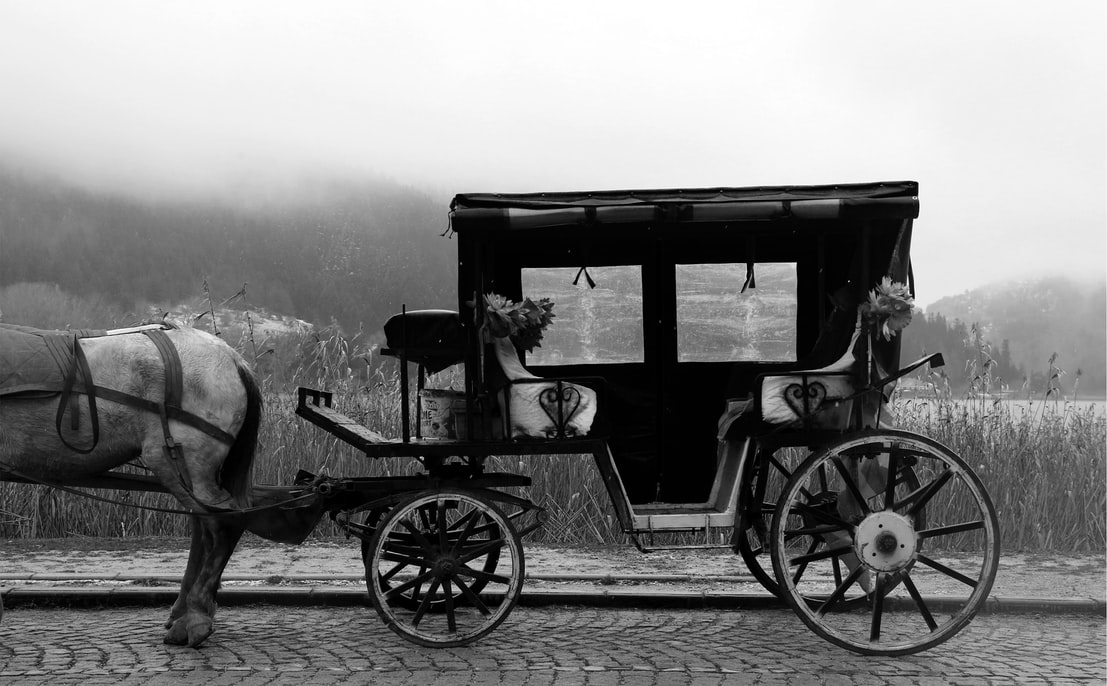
(725, 323)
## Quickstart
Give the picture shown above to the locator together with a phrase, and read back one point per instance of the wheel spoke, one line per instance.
(890, 475)
(471, 530)
(463, 528)
(878, 609)
(443, 541)
(392, 572)
(405, 545)
(419, 537)
(410, 560)
(839, 591)
(462, 522)
(472, 597)
(482, 576)
(821, 555)
(424, 515)
(475, 552)
(411, 583)
(934, 564)
(923, 495)
(802, 567)
(822, 516)
(917, 597)
(951, 529)
(780, 466)
(451, 615)
(425, 604)
(840, 465)
(812, 531)
(485, 528)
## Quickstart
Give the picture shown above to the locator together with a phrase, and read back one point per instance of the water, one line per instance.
(1018, 407)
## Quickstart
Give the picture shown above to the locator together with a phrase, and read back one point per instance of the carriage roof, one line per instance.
(507, 211)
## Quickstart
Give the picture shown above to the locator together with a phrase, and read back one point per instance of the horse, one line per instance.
(194, 428)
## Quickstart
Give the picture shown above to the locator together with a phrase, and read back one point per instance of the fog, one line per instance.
(996, 108)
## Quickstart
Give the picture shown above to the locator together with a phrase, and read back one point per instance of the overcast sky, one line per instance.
(996, 108)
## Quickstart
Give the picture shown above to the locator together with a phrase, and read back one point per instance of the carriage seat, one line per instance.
(432, 338)
(818, 398)
(536, 407)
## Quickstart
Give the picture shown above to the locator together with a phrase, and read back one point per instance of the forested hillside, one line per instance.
(1026, 323)
(352, 252)
(967, 352)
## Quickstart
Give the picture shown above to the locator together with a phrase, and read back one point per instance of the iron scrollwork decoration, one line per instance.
(805, 399)
(554, 400)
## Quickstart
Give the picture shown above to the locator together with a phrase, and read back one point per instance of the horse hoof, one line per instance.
(198, 631)
(177, 635)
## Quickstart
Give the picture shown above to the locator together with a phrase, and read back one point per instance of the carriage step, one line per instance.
(658, 548)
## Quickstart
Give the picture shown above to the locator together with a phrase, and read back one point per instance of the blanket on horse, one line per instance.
(37, 361)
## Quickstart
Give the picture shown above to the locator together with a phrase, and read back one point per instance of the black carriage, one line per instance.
(700, 336)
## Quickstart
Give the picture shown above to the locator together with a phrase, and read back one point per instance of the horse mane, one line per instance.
(235, 476)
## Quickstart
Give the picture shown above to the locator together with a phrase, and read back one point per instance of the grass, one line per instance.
(1042, 462)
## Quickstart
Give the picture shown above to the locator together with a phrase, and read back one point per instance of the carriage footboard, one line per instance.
(316, 407)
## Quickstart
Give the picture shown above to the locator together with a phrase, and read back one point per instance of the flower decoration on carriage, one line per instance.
(523, 322)
(890, 305)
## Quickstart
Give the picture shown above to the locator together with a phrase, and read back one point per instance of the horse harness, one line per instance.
(66, 346)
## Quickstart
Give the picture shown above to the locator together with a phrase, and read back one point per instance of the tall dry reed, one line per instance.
(1043, 462)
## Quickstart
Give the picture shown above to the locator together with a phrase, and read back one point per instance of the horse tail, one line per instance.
(235, 477)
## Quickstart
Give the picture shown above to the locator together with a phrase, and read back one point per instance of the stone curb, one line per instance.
(360, 578)
(85, 596)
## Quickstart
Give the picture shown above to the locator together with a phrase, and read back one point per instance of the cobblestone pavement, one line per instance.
(535, 646)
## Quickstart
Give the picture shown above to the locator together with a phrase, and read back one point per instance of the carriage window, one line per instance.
(717, 322)
(592, 325)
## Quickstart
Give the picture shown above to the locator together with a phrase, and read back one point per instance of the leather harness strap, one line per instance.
(169, 408)
(78, 366)
(173, 378)
(173, 382)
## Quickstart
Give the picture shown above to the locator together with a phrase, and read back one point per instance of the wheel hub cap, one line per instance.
(885, 541)
(445, 566)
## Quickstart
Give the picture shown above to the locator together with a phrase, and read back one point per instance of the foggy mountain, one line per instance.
(349, 252)
(1040, 317)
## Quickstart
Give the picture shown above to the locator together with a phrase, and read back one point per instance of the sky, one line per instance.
(997, 108)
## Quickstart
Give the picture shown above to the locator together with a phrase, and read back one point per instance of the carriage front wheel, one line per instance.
(448, 565)
(842, 530)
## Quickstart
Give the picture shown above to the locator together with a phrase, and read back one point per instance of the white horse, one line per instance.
(209, 475)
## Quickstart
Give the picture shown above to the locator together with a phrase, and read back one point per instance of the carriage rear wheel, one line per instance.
(448, 567)
(922, 579)
(770, 475)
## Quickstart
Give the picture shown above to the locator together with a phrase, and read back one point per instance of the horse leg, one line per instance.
(196, 553)
(192, 623)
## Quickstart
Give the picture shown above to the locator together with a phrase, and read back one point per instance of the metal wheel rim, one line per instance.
(899, 617)
(441, 565)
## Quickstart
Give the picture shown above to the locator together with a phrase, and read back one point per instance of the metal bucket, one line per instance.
(443, 415)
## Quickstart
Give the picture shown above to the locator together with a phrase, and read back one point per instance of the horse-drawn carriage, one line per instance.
(701, 337)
